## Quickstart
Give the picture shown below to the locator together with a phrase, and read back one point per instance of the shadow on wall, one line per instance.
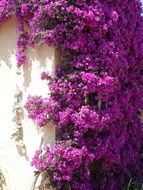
(40, 57)
(8, 42)
(48, 134)
(41, 54)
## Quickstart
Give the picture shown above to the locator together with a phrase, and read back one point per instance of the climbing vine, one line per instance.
(96, 91)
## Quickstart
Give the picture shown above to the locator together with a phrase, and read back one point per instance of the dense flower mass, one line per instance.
(96, 93)
(67, 164)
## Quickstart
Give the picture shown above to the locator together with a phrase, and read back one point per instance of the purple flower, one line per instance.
(96, 92)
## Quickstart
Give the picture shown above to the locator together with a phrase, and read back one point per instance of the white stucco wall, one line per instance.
(16, 168)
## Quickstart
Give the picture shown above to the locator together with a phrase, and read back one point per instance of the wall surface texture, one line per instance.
(15, 166)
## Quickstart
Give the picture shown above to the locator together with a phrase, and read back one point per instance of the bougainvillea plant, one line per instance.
(96, 92)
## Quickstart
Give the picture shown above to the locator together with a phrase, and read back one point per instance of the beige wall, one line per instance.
(16, 168)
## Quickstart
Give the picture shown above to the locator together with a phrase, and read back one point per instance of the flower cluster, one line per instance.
(66, 164)
(37, 110)
(96, 92)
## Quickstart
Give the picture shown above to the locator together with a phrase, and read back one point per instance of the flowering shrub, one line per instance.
(96, 93)
(67, 164)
